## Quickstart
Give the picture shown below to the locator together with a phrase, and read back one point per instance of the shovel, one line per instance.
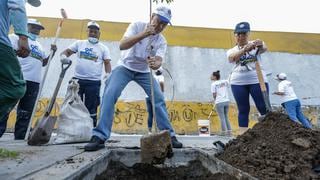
(263, 87)
(155, 147)
(43, 130)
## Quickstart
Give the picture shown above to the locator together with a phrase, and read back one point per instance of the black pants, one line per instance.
(89, 92)
(24, 111)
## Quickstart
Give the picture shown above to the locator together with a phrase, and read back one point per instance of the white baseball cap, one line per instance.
(164, 13)
(35, 3)
(35, 22)
(281, 76)
(93, 24)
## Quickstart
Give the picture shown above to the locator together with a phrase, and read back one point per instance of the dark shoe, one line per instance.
(175, 142)
(94, 144)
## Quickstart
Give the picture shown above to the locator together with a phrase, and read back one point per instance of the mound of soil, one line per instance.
(276, 148)
(141, 171)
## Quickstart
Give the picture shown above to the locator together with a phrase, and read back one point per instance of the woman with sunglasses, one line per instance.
(244, 79)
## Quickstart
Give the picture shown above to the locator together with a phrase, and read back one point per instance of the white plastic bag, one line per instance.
(74, 122)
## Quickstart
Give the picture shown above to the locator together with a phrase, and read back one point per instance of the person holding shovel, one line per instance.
(219, 90)
(31, 67)
(243, 79)
(92, 55)
(290, 100)
(12, 85)
(160, 79)
(142, 46)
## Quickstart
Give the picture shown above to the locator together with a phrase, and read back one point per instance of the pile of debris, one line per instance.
(276, 148)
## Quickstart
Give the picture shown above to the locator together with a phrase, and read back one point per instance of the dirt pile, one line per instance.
(141, 171)
(276, 148)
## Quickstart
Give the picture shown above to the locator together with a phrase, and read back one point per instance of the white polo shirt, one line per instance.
(220, 87)
(90, 58)
(135, 58)
(31, 66)
(243, 75)
(285, 87)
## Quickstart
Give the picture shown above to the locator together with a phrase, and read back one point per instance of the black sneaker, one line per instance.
(94, 144)
(175, 142)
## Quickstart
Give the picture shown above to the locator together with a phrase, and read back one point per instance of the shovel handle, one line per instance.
(65, 67)
(262, 84)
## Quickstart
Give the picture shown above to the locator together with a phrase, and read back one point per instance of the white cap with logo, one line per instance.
(93, 24)
(164, 13)
(36, 23)
(281, 76)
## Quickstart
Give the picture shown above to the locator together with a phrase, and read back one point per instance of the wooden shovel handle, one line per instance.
(260, 77)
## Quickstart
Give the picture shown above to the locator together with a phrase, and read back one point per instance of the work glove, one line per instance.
(64, 59)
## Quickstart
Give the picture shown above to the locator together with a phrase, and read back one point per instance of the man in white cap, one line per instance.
(290, 101)
(158, 76)
(92, 55)
(142, 46)
(31, 67)
(12, 85)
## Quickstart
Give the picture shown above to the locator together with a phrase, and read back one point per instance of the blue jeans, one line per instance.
(241, 95)
(118, 80)
(222, 110)
(150, 113)
(89, 92)
(294, 111)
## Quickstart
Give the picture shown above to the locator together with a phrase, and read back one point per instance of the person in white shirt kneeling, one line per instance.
(290, 101)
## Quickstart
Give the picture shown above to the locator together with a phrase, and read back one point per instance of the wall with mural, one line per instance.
(131, 117)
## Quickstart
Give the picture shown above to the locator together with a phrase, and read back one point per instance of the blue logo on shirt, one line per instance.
(246, 58)
(88, 54)
(35, 52)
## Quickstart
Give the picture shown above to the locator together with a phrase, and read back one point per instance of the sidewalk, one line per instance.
(35, 159)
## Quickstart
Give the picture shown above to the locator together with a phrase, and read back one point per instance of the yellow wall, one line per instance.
(131, 117)
(306, 43)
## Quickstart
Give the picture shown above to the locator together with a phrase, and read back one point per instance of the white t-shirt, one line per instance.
(285, 86)
(90, 59)
(31, 66)
(135, 58)
(242, 75)
(220, 87)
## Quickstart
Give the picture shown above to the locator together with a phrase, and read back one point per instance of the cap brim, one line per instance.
(35, 3)
(39, 26)
(242, 31)
(94, 27)
(163, 19)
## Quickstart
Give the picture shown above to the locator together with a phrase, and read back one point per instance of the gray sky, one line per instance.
(267, 15)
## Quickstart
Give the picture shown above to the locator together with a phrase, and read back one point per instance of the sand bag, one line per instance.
(74, 121)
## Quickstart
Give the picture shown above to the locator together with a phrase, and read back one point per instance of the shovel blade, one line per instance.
(155, 148)
(42, 132)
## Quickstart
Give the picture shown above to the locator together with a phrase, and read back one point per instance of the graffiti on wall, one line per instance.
(131, 117)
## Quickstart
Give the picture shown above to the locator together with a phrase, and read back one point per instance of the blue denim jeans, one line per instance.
(294, 111)
(222, 110)
(118, 80)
